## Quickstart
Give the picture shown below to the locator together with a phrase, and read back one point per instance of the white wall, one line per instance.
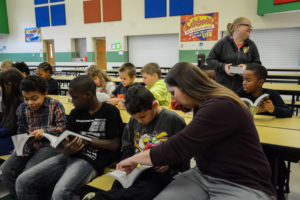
(21, 15)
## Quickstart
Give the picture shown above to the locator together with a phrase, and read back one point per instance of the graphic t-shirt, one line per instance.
(138, 137)
(106, 123)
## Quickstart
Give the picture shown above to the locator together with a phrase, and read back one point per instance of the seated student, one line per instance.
(45, 70)
(6, 64)
(149, 126)
(12, 97)
(209, 71)
(37, 115)
(22, 67)
(151, 74)
(104, 84)
(221, 137)
(80, 161)
(127, 75)
(253, 80)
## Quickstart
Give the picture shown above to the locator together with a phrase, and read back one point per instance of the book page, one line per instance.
(248, 102)
(127, 180)
(50, 137)
(67, 133)
(22, 143)
(260, 100)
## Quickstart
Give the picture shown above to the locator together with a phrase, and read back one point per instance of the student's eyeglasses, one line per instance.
(249, 25)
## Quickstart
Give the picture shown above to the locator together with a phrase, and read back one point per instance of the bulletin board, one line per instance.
(199, 27)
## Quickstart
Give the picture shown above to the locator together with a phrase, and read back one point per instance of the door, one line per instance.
(50, 52)
(101, 54)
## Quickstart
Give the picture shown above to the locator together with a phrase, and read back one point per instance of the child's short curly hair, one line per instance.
(34, 83)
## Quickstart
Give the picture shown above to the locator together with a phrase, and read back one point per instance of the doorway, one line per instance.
(101, 53)
(50, 51)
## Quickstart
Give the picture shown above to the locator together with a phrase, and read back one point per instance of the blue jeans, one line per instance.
(62, 174)
(15, 165)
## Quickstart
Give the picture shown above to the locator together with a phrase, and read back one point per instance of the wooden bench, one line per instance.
(103, 182)
(4, 157)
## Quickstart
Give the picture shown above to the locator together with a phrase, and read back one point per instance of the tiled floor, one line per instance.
(294, 184)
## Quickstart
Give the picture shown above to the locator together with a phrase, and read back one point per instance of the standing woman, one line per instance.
(236, 49)
(221, 137)
(11, 98)
(45, 70)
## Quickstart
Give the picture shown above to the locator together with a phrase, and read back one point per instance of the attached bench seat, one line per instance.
(103, 182)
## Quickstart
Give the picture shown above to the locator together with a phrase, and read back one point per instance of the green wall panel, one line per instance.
(91, 56)
(63, 56)
(111, 56)
(114, 56)
(3, 17)
(190, 55)
(267, 6)
(26, 57)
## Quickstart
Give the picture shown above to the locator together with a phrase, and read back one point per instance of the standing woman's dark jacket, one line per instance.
(224, 52)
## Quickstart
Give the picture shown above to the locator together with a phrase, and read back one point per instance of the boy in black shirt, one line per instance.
(80, 161)
(253, 80)
(127, 74)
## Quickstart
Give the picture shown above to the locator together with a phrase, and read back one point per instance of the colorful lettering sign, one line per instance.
(32, 35)
(284, 1)
(200, 27)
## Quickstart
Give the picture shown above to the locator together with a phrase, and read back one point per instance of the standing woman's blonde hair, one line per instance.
(94, 70)
(231, 26)
(196, 84)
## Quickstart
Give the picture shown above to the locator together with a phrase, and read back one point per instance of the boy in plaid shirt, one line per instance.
(37, 115)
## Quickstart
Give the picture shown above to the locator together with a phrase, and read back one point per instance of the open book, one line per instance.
(255, 107)
(24, 143)
(127, 180)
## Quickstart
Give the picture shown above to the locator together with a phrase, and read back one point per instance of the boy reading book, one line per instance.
(253, 80)
(80, 161)
(37, 115)
(149, 126)
(127, 74)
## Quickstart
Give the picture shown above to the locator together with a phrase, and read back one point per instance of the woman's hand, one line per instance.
(227, 66)
(127, 165)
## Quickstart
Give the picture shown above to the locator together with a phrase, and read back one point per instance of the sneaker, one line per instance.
(89, 196)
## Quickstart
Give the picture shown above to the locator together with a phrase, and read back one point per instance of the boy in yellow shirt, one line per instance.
(151, 74)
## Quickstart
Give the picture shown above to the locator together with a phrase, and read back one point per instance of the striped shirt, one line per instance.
(50, 117)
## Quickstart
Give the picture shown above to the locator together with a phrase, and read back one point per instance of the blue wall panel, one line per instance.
(51, 1)
(155, 8)
(58, 15)
(42, 16)
(180, 7)
(36, 2)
